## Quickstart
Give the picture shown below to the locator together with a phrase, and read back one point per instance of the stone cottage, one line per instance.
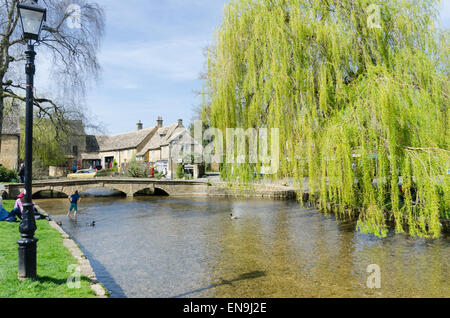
(167, 147)
(10, 147)
(158, 146)
(105, 150)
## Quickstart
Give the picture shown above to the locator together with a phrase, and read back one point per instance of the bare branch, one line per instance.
(72, 51)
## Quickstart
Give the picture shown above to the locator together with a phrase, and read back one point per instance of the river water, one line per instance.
(172, 247)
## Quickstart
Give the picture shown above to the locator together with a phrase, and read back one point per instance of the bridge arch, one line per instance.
(37, 194)
(161, 192)
(150, 190)
(68, 191)
(87, 188)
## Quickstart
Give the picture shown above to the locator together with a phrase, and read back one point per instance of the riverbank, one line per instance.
(54, 258)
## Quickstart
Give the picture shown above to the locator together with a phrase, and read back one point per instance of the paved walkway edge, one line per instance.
(85, 265)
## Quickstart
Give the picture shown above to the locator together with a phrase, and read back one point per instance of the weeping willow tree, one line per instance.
(53, 142)
(360, 93)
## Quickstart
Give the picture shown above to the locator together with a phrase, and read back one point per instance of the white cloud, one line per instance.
(175, 59)
(445, 13)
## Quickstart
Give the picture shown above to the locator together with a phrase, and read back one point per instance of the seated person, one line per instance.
(18, 209)
(7, 216)
(3, 214)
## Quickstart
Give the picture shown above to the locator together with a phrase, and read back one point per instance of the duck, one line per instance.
(59, 223)
(91, 224)
(233, 217)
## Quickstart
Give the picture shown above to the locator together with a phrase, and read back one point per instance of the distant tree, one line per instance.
(70, 40)
(52, 143)
(201, 111)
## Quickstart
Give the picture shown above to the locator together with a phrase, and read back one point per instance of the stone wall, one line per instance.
(9, 155)
(58, 172)
(251, 191)
(154, 155)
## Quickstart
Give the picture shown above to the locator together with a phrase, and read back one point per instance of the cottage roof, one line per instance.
(92, 144)
(170, 133)
(117, 142)
(11, 125)
(159, 139)
(176, 134)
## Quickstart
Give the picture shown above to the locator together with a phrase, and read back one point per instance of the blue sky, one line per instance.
(151, 58)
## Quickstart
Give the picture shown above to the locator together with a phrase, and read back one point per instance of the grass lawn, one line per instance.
(53, 260)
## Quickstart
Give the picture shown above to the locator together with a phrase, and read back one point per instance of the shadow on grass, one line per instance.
(58, 281)
(247, 276)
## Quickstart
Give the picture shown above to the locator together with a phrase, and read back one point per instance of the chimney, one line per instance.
(160, 122)
(139, 125)
(180, 122)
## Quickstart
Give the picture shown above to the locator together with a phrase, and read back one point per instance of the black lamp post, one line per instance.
(32, 17)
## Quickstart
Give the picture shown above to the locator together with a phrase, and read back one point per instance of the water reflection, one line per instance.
(166, 247)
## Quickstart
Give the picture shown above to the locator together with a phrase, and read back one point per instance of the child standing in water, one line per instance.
(74, 199)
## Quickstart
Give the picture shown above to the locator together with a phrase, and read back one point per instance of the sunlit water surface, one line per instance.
(170, 247)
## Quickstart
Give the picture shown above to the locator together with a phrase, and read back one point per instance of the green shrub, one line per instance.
(136, 170)
(102, 173)
(180, 171)
(7, 175)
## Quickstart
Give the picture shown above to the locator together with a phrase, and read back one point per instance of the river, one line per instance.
(172, 247)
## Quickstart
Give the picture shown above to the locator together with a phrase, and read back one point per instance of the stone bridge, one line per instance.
(130, 187)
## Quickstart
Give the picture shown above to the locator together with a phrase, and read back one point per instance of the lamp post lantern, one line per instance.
(32, 17)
